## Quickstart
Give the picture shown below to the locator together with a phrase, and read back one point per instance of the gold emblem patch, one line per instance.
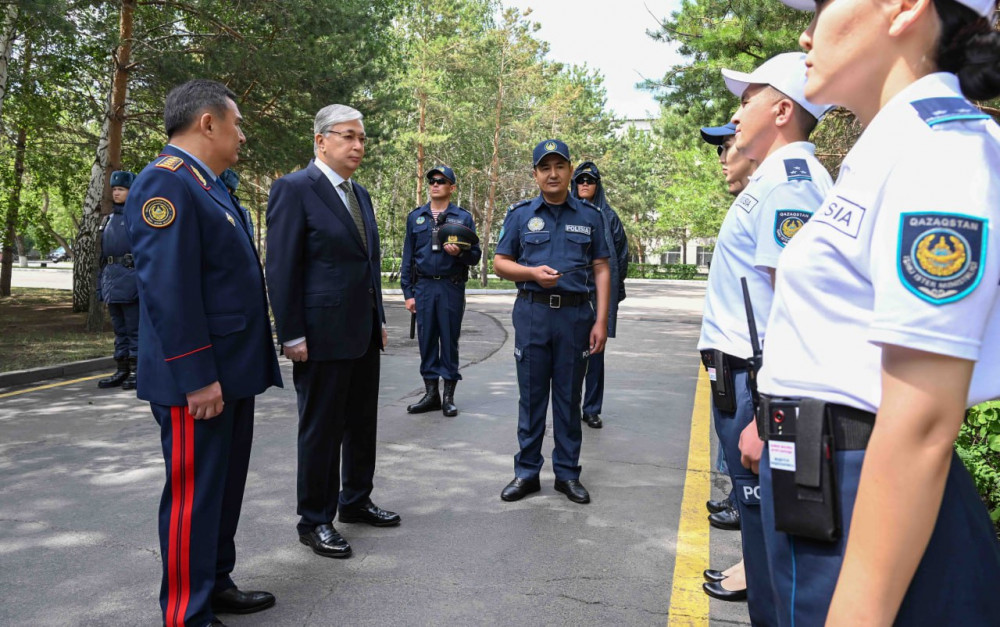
(941, 258)
(536, 224)
(158, 212)
(171, 163)
(230, 218)
(550, 146)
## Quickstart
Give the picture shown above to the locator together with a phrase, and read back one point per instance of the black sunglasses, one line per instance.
(438, 181)
(586, 180)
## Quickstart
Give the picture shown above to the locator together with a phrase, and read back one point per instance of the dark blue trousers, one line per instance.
(551, 347)
(206, 463)
(957, 582)
(125, 322)
(746, 485)
(593, 398)
(440, 307)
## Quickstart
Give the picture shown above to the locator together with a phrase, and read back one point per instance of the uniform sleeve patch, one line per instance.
(797, 170)
(158, 212)
(576, 228)
(746, 202)
(170, 162)
(941, 255)
(939, 110)
(787, 223)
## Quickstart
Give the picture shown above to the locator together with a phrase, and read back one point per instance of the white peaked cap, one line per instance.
(785, 72)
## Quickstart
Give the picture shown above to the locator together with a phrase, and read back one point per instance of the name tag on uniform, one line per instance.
(711, 374)
(577, 228)
(782, 455)
(746, 202)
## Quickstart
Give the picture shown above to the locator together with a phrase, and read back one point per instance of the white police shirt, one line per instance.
(778, 200)
(898, 254)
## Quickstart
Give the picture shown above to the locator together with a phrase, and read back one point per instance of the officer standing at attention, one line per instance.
(587, 186)
(206, 348)
(433, 279)
(773, 124)
(116, 285)
(553, 247)
(885, 328)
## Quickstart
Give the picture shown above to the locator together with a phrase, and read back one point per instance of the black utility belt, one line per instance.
(720, 367)
(454, 278)
(126, 260)
(555, 300)
(802, 435)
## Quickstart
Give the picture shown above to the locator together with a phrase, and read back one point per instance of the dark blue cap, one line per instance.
(444, 171)
(121, 178)
(716, 135)
(548, 147)
(230, 179)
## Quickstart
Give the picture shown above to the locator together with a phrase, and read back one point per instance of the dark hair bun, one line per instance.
(969, 48)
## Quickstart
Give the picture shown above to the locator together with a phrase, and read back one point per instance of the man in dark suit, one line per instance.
(323, 276)
(205, 348)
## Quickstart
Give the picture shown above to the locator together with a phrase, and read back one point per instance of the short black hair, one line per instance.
(186, 101)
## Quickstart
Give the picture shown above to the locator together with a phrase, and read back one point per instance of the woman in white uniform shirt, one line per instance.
(886, 302)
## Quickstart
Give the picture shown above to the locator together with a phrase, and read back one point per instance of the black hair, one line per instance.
(969, 47)
(188, 100)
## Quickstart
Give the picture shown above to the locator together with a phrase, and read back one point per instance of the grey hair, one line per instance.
(331, 115)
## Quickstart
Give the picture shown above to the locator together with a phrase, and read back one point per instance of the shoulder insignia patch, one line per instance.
(787, 223)
(158, 212)
(940, 110)
(518, 204)
(170, 162)
(797, 170)
(941, 255)
(198, 175)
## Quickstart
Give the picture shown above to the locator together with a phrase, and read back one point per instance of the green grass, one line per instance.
(473, 284)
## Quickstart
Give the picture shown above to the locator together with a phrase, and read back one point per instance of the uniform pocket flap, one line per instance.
(224, 324)
(536, 238)
(323, 299)
(578, 238)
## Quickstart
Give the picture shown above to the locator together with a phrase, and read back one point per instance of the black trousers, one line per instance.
(125, 321)
(338, 417)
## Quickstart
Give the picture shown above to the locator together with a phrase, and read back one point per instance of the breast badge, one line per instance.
(536, 224)
(787, 223)
(421, 219)
(940, 257)
(158, 212)
(230, 218)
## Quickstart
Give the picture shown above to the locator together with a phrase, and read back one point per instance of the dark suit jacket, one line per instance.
(320, 280)
(203, 308)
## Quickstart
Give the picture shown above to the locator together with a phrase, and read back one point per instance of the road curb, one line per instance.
(34, 375)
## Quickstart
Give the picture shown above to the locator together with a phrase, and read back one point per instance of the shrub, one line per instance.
(685, 271)
(978, 446)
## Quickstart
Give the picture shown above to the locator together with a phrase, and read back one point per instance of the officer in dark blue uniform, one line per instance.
(232, 182)
(553, 246)
(205, 347)
(434, 272)
(116, 285)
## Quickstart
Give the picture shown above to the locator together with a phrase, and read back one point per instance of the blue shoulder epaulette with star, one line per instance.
(518, 205)
(797, 170)
(951, 109)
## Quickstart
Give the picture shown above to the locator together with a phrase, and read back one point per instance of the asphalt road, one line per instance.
(81, 473)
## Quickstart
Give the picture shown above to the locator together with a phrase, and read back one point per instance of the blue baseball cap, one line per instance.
(444, 171)
(230, 179)
(121, 178)
(548, 147)
(716, 135)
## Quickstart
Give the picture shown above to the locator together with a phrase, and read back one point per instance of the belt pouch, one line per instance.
(803, 473)
(720, 376)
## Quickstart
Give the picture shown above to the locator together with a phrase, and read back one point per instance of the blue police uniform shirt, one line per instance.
(117, 283)
(565, 238)
(417, 246)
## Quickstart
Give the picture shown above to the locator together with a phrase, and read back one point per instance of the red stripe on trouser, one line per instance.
(181, 500)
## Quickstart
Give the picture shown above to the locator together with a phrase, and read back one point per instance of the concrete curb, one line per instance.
(33, 375)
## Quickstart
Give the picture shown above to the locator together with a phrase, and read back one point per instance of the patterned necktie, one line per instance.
(355, 210)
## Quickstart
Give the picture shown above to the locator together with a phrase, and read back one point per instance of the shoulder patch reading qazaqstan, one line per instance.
(787, 223)
(158, 212)
(941, 255)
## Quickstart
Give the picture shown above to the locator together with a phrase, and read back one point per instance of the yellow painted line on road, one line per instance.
(688, 602)
(53, 385)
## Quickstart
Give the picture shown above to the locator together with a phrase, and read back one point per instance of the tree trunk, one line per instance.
(47, 225)
(14, 199)
(6, 48)
(421, 128)
(491, 198)
(87, 250)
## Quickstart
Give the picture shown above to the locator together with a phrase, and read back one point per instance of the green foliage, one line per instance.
(684, 271)
(978, 446)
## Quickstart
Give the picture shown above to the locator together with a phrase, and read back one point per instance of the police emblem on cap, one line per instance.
(550, 146)
(787, 223)
(421, 219)
(158, 212)
(536, 224)
(941, 255)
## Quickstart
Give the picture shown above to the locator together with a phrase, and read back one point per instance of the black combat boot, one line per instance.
(130, 383)
(448, 402)
(430, 401)
(117, 378)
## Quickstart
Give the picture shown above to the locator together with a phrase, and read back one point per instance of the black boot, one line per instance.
(448, 402)
(117, 378)
(430, 401)
(130, 383)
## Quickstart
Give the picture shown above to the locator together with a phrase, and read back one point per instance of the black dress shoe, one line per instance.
(370, 514)
(573, 490)
(593, 420)
(728, 520)
(324, 540)
(236, 601)
(714, 589)
(721, 505)
(713, 575)
(520, 488)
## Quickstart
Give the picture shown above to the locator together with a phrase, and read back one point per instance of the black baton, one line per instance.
(413, 325)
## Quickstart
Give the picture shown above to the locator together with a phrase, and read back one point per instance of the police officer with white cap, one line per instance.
(885, 328)
(773, 124)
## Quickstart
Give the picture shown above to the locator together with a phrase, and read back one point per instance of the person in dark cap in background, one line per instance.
(439, 247)
(587, 185)
(116, 285)
(232, 182)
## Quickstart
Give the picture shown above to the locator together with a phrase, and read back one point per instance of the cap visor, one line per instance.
(716, 135)
(736, 82)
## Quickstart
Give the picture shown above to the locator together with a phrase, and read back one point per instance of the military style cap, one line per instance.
(785, 72)
(548, 147)
(458, 234)
(716, 135)
(121, 178)
(230, 179)
(587, 169)
(444, 171)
